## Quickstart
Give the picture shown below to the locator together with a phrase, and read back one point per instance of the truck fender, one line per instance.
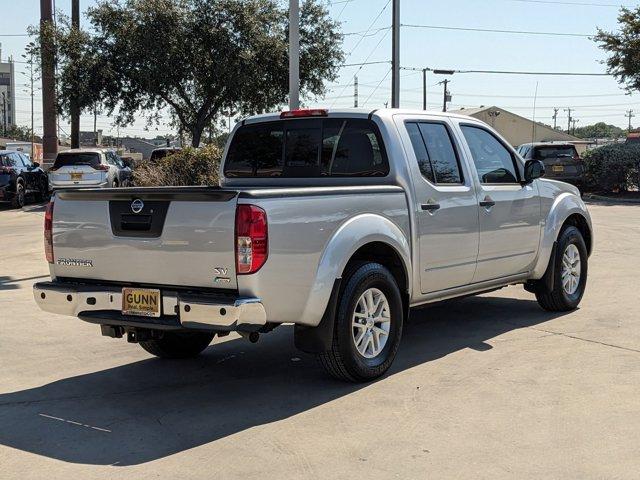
(322, 302)
(564, 205)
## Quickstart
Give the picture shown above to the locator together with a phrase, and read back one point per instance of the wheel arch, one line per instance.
(567, 209)
(367, 237)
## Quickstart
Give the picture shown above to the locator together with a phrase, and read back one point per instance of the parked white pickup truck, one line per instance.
(338, 222)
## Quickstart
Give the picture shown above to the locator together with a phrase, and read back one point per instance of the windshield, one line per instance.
(564, 151)
(70, 159)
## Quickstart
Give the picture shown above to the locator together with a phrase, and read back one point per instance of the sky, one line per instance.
(367, 39)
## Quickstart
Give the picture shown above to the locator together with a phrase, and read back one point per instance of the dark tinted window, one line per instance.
(69, 159)
(420, 150)
(256, 151)
(441, 153)
(564, 151)
(493, 161)
(307, 148)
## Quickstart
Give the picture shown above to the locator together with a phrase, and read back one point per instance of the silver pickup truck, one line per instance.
(335, 221)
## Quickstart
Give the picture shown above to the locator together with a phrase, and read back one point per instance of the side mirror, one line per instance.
(533, 169)
(36, 164)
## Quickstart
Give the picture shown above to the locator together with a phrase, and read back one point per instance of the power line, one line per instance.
(370, 27)
(550, 2)
(374, 91)
(507, 72)
(491, 30)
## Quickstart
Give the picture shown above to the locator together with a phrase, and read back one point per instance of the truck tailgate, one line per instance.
(180, 236)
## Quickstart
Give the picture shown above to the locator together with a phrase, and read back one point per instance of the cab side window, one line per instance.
(494, 162)
(436, 155)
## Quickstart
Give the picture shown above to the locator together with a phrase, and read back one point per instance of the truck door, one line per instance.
(446, 207)
(509, 211)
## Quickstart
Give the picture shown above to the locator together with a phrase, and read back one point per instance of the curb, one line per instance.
(601, 198)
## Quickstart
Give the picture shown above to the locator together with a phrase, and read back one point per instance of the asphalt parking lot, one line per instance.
(486, 387)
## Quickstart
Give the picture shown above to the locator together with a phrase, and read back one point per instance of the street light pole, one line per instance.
(294, 54)
(395, 55)
(424, 88)
(74, 107)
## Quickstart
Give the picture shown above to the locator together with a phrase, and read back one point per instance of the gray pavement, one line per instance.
(486, 387)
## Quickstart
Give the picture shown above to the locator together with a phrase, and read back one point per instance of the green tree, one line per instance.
(623, 47)
(599, 130)
(198, 58)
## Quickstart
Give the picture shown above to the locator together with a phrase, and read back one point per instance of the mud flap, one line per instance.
(547, 282)
(318, 339)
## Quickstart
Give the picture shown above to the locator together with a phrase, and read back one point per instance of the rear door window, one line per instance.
(307, 149)
(90, 159)
(437, 157)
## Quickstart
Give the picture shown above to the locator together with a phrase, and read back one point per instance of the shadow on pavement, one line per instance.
(10, 283)
(150, 409)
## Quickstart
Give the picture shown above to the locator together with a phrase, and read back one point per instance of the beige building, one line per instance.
(518, 130)
(7, 94)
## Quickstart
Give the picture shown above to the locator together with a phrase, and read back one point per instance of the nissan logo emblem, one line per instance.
(137, 205)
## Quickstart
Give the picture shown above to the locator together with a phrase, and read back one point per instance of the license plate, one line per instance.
(142, 302)
(558, 168)
(76, 176)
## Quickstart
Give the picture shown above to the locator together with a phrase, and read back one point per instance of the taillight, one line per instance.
(48, 232)
(252, 236)
(104, 168)
(301, 113)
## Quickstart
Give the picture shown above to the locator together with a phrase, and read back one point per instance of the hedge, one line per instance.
(613, 168)
(191, 166)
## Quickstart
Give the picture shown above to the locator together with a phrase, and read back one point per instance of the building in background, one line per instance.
(518, 130)
(7, 94)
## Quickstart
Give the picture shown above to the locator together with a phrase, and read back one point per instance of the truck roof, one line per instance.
(361, 112)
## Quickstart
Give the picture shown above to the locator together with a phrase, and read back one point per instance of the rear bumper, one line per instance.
(102, 305)
(60, 186)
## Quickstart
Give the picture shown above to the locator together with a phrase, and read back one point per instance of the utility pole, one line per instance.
(4, 114)
(355, 92)
(424, 88)
(629, 115)
(569, 110)
(49, 137)
(395, 55)
(294, 54)
(446, 95)
(555, 118)
(32, 124)
(74, 107)
(573, 122)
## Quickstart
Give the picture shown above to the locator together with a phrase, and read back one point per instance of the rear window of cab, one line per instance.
(307, 148)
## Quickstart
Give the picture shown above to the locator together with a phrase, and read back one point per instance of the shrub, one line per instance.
(613, 167)
(191, 166)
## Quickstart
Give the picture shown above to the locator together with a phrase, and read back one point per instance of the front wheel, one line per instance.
(178, 344)
(19, 199)
(570, 273)
(367, 327)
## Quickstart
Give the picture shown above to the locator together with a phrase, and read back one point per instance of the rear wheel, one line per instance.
(367, 327)
(570, 273)
(178, 344)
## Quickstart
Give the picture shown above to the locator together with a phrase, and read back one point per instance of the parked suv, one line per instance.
(561, 160)
(20, 177)
(88, 167)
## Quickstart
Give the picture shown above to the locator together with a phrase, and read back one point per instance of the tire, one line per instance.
(19, 200)
(43, 193)
(562, 299)
(178, 344)
(344, 361)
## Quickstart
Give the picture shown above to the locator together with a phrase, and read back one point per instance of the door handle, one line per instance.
(487, 203)
(431, 207)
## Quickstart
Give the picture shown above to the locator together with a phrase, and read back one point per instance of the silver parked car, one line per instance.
(88, 167)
